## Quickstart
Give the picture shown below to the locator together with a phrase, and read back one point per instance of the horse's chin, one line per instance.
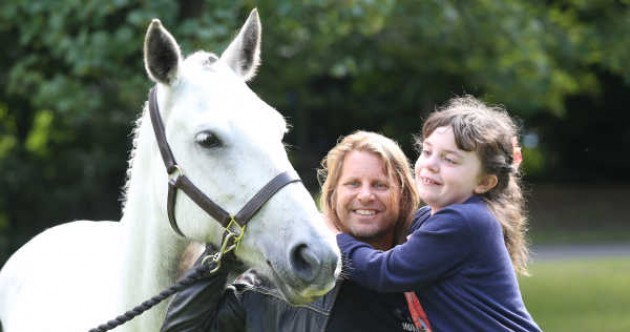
(297, 294)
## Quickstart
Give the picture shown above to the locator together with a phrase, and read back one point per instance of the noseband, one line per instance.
(233, 224)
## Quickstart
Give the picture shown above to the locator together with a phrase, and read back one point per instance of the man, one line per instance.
(368, 191)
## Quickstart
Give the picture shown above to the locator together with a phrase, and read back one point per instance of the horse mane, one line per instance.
(133, 152)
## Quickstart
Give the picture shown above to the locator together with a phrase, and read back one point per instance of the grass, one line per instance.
(579, 295)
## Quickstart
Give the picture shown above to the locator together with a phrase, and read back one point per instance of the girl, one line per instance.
(468, 241)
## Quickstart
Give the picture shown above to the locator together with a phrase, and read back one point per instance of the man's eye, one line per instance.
(381, 185)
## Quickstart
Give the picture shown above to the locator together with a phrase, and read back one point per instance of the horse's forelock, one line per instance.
(203, 59)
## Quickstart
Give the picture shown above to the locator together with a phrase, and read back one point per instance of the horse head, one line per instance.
(228, 143)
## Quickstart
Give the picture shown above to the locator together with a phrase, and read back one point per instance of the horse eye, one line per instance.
(208, 140)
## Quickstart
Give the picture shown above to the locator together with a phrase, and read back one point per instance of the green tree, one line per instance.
(72, 82)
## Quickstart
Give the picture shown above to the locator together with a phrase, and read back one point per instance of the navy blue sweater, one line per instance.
(458, 265)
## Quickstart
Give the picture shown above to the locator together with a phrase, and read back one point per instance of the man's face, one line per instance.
(367, 200)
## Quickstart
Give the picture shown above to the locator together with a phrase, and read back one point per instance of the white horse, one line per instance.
(228, 142)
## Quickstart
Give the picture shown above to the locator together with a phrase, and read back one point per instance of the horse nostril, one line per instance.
(305, 263)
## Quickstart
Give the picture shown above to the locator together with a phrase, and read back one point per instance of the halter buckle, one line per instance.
(231, 238)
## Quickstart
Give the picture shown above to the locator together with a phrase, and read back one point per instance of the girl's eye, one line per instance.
(425, 152)
(450, 161)
(208, 140)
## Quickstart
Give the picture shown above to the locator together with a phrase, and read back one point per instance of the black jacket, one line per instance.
(250, 304)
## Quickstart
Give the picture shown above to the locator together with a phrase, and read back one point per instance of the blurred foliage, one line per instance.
(533, 161)
(72, 81)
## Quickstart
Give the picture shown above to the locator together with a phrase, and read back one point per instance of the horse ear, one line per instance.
(162, 55)
(243, 53)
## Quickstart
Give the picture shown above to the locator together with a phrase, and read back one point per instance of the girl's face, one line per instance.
(367, 199)
(447, 175)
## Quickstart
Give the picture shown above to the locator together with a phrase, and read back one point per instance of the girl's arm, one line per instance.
(437, 249)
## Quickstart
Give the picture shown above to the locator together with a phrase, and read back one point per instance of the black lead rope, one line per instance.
(198, 273)
(209, 263)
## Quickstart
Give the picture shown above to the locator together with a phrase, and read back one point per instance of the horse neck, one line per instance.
(151, 249)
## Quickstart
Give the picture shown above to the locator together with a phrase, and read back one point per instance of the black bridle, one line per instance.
(233, 224)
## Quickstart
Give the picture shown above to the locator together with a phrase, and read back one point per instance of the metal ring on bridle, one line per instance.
(231, 239)
(174, 172)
